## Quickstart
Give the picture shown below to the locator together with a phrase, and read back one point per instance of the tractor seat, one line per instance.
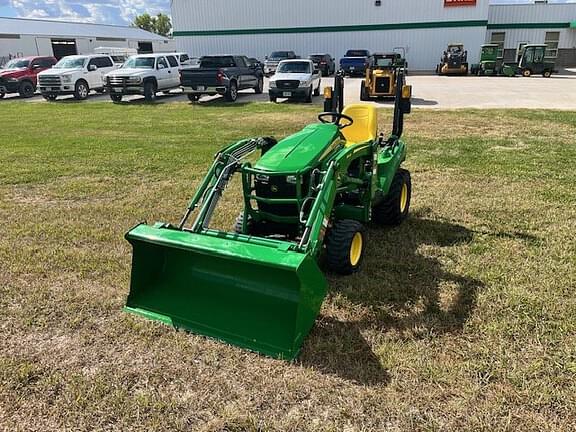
(365, 126)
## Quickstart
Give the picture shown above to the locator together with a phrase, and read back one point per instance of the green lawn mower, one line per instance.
(309, 195)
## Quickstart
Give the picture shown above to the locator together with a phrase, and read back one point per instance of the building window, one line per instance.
(498, 38)
(552, 40)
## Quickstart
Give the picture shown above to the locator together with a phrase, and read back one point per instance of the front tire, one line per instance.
(273, 99)
(363, 93)
(2, 94)
(526, 73)
(317, 90)
(150, 91)
(116, 98)
(193, 98)
(394, 209)
(547, 74)
(232, 93)
(50, 97)
(309, 95)
(81, 90)
(26, 89)
(260, 86)
(345, 244)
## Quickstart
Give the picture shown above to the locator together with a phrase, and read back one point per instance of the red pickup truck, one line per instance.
(19, 75)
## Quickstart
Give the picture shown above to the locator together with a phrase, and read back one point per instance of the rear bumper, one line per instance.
(354, 70)
(194, 90)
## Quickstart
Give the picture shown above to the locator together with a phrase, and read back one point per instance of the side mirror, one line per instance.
(92, 68)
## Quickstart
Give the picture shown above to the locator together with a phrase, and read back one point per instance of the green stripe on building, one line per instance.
(333, 29)
(528, 26)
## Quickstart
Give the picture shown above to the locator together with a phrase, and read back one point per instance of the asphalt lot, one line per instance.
(429, 91)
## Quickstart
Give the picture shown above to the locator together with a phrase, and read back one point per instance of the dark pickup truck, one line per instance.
(354, 62)
(224, 75)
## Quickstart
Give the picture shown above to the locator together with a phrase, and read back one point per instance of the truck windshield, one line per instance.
(17, 64)
(294, 67)
(356, 53)
(279, 55)
(140, 63)
(383, 61)
(217, 62)
(70, 63)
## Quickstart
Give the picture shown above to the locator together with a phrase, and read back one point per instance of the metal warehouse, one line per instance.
(25, 37)
(422, 27)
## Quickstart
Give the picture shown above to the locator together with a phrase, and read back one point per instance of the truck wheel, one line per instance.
(317, 90)
(193, 98)
(363, 93)
(273, 99)
(149, 91)
(50, 97)
(526, 73)
(81, 90)
(547, 74)
(116, 98)
(260, 86)
(393, 210)
(26, 89)
(345, 246)
(2, 94)
(309, 95)
(232, 93)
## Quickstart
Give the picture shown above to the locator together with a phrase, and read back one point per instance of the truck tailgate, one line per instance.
(196, 77)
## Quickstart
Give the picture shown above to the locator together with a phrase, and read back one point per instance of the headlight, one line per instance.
(303, 83)
(135, 80)
(11, 80)
(272, 84)
(66, 78)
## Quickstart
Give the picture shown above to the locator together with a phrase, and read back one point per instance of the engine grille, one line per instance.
(287, 84)
(122, 80)
(383, 85)
(49, 80)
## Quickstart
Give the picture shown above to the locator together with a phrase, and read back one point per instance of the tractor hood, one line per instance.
(301, 151)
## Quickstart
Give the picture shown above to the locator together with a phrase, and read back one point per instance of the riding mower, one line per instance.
(489, 64)
(381, 73)
(454, 61)
(307, 196)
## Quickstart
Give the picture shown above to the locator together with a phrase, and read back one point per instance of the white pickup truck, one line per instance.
(76, 75)
(295, 79)
(144, 74)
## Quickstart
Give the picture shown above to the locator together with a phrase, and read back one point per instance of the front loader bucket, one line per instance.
(250, 293)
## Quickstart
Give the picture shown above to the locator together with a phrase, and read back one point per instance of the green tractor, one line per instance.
(489, 64)
(532, 62)
(260, 286)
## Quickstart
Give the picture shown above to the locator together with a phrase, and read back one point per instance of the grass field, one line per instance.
(463, 319)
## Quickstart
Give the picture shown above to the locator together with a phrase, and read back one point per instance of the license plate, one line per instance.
(352, 68)
(201, 88)
(117, 90)
(286, 94)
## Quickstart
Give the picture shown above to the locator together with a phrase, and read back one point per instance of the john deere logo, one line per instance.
(274, 188)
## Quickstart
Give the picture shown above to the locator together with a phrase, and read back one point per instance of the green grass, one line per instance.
(463, 318)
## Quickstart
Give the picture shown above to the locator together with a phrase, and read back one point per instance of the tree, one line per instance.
(159, 24)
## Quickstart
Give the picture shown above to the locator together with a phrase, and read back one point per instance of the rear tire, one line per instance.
(193, 98)
(363, 94)
(50, 97)
(394, 209)
(232, 93)
(273, 99)
(26, 89)
(345, 246)
(116, 98)
(81, 90)
(2, 94)
(150, 91)
(547, 74)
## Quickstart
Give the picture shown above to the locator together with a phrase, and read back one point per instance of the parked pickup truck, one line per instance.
(223, 75)
(354, 62)
(271, 62)
(295, 79)
(76, 75)
(144, 74)
(20, 75)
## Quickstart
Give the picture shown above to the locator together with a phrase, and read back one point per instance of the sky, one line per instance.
(120, 12)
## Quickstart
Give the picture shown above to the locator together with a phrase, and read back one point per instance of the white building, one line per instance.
(25, 37)
(422, 27)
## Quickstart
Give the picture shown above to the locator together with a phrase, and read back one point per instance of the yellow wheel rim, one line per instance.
(404, 198)
(356, 249)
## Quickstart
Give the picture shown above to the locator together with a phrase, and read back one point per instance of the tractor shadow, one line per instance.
(403, 289)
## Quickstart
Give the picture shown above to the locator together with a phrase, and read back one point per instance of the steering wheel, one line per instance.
(334, 118)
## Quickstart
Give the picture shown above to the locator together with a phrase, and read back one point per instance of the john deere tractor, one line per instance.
(454, 61)
(380, 81)
(260, 286)
(489, 64)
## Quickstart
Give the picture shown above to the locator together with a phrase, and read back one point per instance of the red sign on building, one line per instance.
(452, 3)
